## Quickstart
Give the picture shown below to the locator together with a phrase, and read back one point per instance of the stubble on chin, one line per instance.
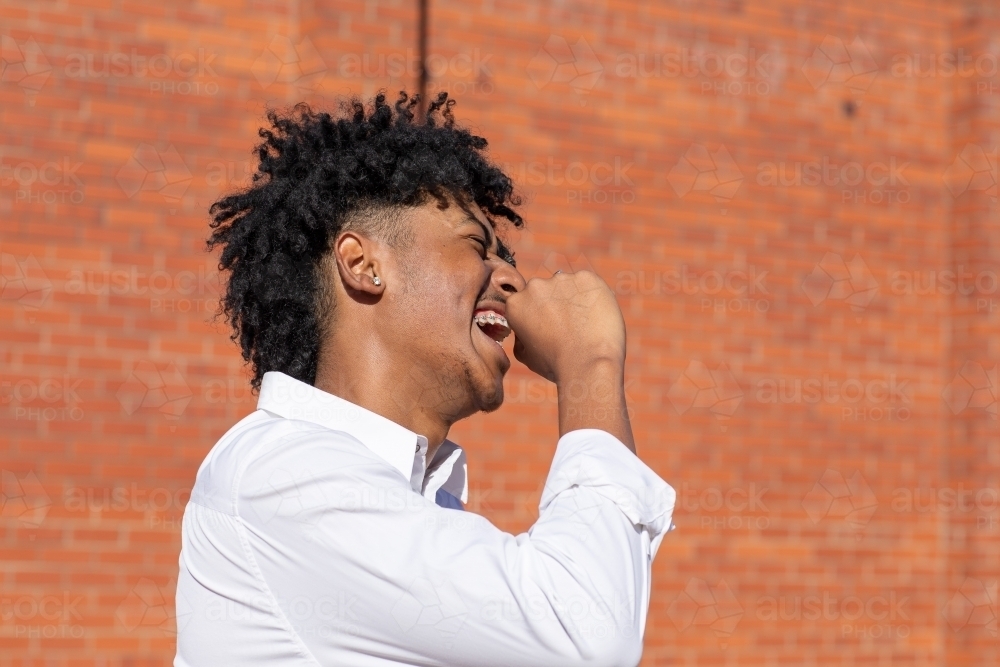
(488, 394)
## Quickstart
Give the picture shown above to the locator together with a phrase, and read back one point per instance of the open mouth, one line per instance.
(493, 324)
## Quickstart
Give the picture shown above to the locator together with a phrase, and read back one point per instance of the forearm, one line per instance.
(592, 395)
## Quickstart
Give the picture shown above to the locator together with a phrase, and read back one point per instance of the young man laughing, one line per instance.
(370, 291)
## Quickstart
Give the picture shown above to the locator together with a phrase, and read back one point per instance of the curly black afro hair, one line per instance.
(317, 174)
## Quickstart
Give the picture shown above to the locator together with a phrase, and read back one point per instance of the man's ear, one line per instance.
(357, 262)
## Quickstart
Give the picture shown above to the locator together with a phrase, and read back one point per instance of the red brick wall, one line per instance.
(781, 194)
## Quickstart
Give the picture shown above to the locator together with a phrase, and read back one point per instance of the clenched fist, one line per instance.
(565, 323)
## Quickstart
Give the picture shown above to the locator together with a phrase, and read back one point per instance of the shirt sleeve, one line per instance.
(361, 565)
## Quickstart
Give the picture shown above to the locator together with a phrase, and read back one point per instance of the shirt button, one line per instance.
(418, 447)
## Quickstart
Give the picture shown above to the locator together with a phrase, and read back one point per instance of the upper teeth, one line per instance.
(491, 318)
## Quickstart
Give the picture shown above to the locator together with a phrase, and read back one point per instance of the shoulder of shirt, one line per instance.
(262, 446)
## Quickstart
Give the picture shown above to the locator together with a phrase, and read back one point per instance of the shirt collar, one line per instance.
(401, 448)
(449, 471)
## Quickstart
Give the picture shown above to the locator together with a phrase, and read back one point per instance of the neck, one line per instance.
(360, 370)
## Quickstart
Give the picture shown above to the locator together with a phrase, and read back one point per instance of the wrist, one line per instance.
(592, 395)
(590, 368)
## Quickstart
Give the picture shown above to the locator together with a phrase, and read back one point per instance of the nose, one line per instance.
(506, 278)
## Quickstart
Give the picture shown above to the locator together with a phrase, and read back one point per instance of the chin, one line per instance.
(487, 390)
(491, 402)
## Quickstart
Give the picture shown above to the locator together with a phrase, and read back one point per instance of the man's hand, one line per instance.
(569, 329)
(565, 322)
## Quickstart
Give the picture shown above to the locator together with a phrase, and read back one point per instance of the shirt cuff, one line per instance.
(599, 461)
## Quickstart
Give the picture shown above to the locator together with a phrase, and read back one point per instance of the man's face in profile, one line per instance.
(453, 281)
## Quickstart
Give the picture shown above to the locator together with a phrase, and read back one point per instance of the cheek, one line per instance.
(439, 300)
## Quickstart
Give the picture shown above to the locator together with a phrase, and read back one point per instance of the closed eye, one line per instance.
(483, 245)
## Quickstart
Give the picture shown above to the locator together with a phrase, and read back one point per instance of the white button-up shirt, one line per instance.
(317, 534)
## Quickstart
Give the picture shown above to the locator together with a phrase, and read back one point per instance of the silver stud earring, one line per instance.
(376, 281)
